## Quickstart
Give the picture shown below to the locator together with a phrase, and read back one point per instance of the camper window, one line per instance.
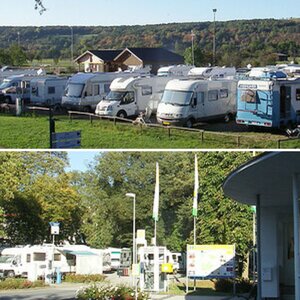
(106, 88)
(57, 257)
(200, 97)
(39, 256)
(96, 89)
(146, 90)
(248, 96)
(128, 98)
(213, 95)
(223, 93)
(28, 258)
(88, 91)
(35, 91)
(297, 94)
(51, 89)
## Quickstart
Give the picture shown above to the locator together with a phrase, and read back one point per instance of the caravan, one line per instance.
(47, 91)
(131, 96)
(187, 101)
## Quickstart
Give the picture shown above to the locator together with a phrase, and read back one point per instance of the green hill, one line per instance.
(237, 42)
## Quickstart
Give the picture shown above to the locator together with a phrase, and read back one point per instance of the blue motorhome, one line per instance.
(269, 101)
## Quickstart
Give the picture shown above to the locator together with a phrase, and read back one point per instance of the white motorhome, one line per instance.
(175, 258)
(176, 70)
(15, 86)
(85, 90)
(115, 256)
(7, 71)
(47, 91)
(212, 72)
(45, 259)
(188, 101)
(131, 96)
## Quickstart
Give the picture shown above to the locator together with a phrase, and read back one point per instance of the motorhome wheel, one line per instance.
(122, 114)
(10, 274)
(228, 117)
(87, 109)
(189, 123)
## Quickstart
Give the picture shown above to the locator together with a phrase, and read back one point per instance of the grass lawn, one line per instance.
(32, 132)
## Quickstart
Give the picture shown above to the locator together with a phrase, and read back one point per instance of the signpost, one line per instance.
(63, 140)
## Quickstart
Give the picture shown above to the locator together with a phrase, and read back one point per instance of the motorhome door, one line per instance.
(285, 102)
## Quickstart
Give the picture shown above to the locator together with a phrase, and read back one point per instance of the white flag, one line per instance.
(156, 195)
(196, 187)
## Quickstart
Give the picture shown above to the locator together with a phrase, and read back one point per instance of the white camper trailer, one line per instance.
(47, 91)
(174, 71)
(186, 102)
(15, 86)
(130, 96)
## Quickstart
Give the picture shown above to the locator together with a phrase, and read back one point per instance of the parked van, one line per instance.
(7, 71)
(15, 86)
(188, 101)
(115, 256)
(130, 96)
(212, 72)
(47, 91)
(175, 258)
(85, 90)
(176, 70)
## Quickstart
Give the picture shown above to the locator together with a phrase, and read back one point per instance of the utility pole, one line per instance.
(193, 56)
(214, 38)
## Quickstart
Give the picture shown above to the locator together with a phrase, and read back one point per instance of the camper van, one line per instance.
(130, 96)
(47, 91)
(42, 259)
(187, 101)
(212, 72)
(176, 70)
(7, 71)
(15, 86)
(268, 99)
(85, 90)
(115, 256)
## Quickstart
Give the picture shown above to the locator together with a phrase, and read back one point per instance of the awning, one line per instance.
(75, 252)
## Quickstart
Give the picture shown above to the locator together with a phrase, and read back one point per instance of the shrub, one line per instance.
(84, 278)
(96, 292)
(226, 285)
(18, 283)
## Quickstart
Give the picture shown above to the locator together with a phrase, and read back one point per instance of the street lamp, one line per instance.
(193, 57)
(132, 195)
(214, 38)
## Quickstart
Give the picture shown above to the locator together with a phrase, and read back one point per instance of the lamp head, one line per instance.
(130, 195)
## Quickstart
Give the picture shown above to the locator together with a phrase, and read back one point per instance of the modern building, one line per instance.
(271, 182)
(114, 60)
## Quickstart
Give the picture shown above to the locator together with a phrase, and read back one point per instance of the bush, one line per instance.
(96, 292)
(10, 284)
(84, 278)
(226, 285)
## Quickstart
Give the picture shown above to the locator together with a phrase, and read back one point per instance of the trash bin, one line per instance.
(18, 106)
(58, 276)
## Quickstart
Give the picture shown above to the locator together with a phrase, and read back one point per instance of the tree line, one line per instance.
(92, 208)
(238, 42)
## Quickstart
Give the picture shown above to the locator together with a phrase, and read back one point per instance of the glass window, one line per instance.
(88, 90)
(51, 89)
(248, 96)
(57, 257)
(297, 94)
(128, 98)
(213, 95)
(106, 87)
(39, 256)
(28, 258)
(96, 89)
(180, 98)
(146, 90)
(200, 97)
(35, 91)
(74, 90)
(223, 93)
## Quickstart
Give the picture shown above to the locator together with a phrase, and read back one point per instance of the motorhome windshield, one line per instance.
(5, 84)
(74, 90)
(180, 98)
(115, 96)
(6, 259)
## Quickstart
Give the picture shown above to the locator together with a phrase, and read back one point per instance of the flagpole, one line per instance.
(156, 201)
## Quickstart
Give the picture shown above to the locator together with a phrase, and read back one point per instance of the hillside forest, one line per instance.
(238, 42)
(92, 208)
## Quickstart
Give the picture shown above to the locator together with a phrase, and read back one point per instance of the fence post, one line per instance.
(91, 119)
(202, 135)
(70, 117)
(115, 121)
(278, 144)
(238, 140)
(169, 132)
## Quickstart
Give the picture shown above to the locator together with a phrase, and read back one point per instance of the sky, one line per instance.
(79, 160)
(141, 12)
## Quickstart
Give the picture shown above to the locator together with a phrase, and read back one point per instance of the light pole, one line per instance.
(132, 195)
(72, 44)
(19, 38)
(193, 56)
(214, 38)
